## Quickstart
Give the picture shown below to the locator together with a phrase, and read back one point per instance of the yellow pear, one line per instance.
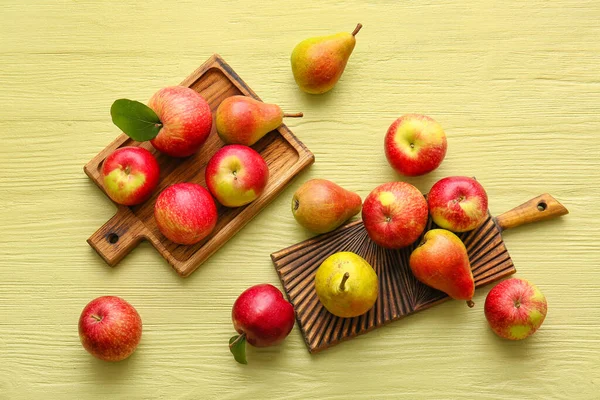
(346, 284)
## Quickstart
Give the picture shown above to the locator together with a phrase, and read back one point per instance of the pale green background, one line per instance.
(515, 84)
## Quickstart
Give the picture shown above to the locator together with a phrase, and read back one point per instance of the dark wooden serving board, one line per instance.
(285, 155)
(400, 294)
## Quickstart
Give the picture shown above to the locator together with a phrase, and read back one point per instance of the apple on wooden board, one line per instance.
(458, 203)
(236, 175)
(130, 175)
(177, 120)
(110, 328)
(515, 309)
(262, 317)
(395, 214)
(415, 145)
(441, 261)
(185, 213)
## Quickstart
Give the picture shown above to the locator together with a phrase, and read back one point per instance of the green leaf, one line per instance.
(237, 346)
(136, 119)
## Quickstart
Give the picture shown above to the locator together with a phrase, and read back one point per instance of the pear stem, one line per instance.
(293, 115)
(470, 303)
(357, 29)
(344, 279)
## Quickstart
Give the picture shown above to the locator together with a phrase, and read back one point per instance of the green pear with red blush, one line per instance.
(244, 120)
(441, 261)
(321, 206)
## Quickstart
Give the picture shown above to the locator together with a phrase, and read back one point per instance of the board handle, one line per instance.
(117, 237)
(539, 208)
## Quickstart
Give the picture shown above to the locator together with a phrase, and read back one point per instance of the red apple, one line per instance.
(236, 175)
(186, 120)
(110, 328)
(130, 175)
(262, 317)
(458, 203)
(395, 214)
(415, 145)
(515, 309)
(185, 213)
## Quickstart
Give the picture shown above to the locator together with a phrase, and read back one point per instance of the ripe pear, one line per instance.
(318, 62)
(441, 261)
(346, 284)
(243, 120)
(321, 206)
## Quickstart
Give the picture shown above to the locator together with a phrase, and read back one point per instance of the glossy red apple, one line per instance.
(185, 213)
(110, 328)
(395, 214)
(130, 175)
(186, 120)
(415, 145)
(236, 175)
(262, 317)
(515, 309)
(458, 203)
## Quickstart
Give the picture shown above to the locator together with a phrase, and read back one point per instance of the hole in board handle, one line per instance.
(112, 238)
(542, 206)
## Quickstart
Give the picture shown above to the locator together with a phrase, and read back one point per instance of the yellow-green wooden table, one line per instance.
(515, 84)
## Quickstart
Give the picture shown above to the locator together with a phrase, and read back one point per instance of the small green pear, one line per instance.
(318, 63)
(243, 120)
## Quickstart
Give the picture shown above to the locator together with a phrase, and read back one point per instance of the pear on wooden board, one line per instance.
(243, 120)
(321, 206)
(318, 62)
(441, 261)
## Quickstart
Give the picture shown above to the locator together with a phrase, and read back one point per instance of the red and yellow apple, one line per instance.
(186, 120)
(262, 317)
(236, 175)
(185, 213)
(130, 175)
(415, 145)
(515, 309)
(110, 328)
(395, 214)
(441, 261)
(458, 203)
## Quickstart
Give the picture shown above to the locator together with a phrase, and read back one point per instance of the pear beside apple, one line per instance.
(244, 120)
(321, 206)
(318, 62)
(441, 261)
(346, 284)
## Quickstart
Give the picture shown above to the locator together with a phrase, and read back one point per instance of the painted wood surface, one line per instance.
(515, 84)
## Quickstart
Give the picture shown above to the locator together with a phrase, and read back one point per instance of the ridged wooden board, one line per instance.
(400, 294)
(284, 154)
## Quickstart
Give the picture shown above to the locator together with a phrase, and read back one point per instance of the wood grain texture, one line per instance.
(283, 153)
(515, 84)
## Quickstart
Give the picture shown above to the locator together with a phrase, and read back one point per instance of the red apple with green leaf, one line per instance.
(395, 214)
(177, 120)
(185, 213)
(415, 145)
(236, 175)
(130, 175)
(515, 309)
(110, 328)
(262, 317)
(458, 203)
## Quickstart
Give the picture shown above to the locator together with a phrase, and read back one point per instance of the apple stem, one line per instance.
(344, 279)
(357, 29)
(238, 339)
(96, 317)
(293, 115)
(470, 303)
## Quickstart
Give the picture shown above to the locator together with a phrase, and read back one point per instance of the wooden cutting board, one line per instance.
(400, 294)
(285, 155)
